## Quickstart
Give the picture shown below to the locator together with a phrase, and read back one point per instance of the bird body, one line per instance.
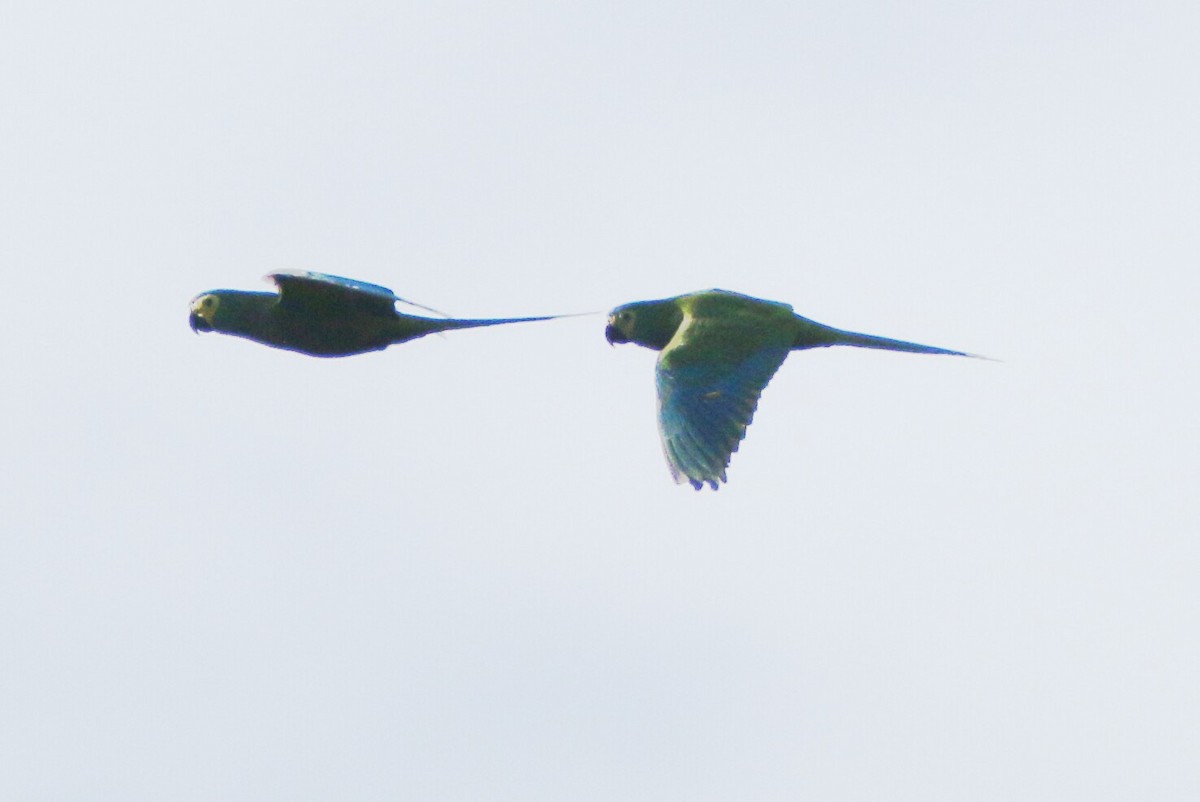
(321, 315)
(717, 351)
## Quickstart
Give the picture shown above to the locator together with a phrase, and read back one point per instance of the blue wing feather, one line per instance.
(705, 407)
(301, 284)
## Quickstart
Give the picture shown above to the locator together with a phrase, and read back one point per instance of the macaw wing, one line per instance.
(304, 288)
(709, 380)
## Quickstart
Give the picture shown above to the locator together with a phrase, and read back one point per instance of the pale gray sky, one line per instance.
(458, 569)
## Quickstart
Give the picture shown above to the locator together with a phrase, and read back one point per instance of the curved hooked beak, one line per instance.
(613, 334)
(198, 323)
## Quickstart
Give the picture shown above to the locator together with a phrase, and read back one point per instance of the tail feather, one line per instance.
(409, 327)
(472, 323)
(818, 335)
(888, 344)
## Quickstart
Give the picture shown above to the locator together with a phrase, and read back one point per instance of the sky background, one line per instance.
(458, 569)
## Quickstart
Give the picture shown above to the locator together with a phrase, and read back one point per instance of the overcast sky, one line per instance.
(458, 569)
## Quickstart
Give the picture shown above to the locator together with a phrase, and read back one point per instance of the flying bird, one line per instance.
(717, 351)
(322, 315)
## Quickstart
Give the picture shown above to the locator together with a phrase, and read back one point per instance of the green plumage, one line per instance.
(321, 315)
(717, 351)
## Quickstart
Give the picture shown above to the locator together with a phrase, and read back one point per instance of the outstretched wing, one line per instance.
(709, 380)
(303, 288)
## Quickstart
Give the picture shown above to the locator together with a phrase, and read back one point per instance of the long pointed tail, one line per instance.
(410, 327)
(818, 335)
(473, 323)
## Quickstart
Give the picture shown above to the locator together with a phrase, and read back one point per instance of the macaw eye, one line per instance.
(206, 305)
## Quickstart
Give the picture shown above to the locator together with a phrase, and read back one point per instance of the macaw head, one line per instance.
(228, 311)
(648, 323)
(204, 311)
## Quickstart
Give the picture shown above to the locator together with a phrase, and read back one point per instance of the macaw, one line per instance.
(717, 351)
(321, 315)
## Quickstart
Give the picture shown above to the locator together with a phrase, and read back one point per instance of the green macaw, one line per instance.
(321, 315)
(717, 351)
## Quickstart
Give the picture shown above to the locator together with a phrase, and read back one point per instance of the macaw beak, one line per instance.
(613, 334)
(198, 323)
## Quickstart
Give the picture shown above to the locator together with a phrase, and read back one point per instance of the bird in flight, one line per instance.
(322, 315)
(717, 351)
